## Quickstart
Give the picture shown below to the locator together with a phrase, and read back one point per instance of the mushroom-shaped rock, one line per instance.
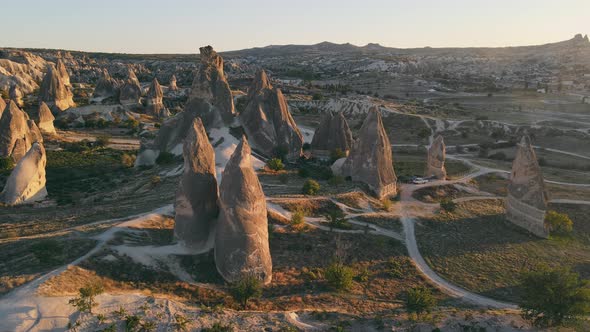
(333, 134)
(54, 91)
(17, 132)
(435, 164)
(370, 160)
(130, 92)
(267, 121)
(45, 119)
(526, 203)
(241, 239)
(196, 198)
(173, 85)
(210, 85)
(154, 102)
(26, 183)
(106, 87)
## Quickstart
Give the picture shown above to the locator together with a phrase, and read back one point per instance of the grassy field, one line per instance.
(476, 248)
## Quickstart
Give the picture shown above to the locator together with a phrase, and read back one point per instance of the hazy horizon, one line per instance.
(181, 26)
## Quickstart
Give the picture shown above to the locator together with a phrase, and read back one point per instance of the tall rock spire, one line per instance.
(370, 160)
(527, 199)
(435, 164)
(154, 100)
(17, 132)
(210, 97)
(130, 92)
(196, 198)
(45, 119)
(332, 134)
(54, 91)
(267, 121)
(241, 240)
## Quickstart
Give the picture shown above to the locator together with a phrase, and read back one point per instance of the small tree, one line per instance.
(339, 276)
(336, 218)
(128, 160)
(246, 288)
(86, 301)
(6, 164)
(311, 187)
(420, 300)
(559, 223)
(552, 296)
(275, 164)
(448, 205)
(102, 141)
(298, 217)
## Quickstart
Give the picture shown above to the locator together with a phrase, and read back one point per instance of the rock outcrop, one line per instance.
(106, 87)
(45, 119)
(196, 198)
(526, 203)
(172, 86)
(54, 91)
(267, 122)
(130, 92)
(435, 164)
(210, 86)
(154, 101)
(2, 106)
(16, 95)
(62, 71)
(333, 134)
(26, 183)
(17, 133)
(241, 239)
(370, 160)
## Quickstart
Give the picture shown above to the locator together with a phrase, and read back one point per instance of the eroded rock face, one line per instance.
(130, 92)
(196, 198)
(154, 101)
(45, 119)
(16, 95)
(210, 86)
(62, 71)
(106, 87)
(26, 183)
(332, 134)
(2, 106)
(526, 203)
(17, 133)
(267, 121)
(172, 86)
(241, 240)
(370, 160)
(435, 164)
(54, 91)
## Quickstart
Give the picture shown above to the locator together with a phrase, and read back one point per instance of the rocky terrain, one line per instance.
(290, 188)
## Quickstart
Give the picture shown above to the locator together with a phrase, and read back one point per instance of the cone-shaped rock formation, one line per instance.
(16, 95)
(267, 122)
(154, 102)
(333, 134)
(130, 92)
(241, 240)
(196, 198)
(17, 133)
(172, 86)
(106, 87)
(54, 91)
(210, 97)
(370, 160)
(435, 164)
(45, 119)
(527, 199)
(26, 183)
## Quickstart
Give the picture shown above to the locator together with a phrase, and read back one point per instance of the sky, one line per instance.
(181, 26)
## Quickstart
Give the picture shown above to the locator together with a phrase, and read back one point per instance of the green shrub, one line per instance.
(246, 288)
(420, 300)
(311, 187)
(339, 276)
(85, 301)
(448, 205)
(387, 204)
(6, 164)
(165, 158)
(275, 164)
(336, 219)
(298, 217)
(559, 223)
(131, 322)
(552, 296)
